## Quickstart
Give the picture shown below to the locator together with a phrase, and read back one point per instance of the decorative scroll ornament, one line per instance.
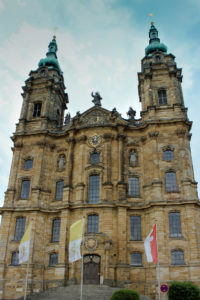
(91, 243)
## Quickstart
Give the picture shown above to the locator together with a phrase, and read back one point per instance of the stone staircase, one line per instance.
(72, 292)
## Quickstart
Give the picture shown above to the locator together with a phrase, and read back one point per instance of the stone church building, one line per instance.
(122, 175)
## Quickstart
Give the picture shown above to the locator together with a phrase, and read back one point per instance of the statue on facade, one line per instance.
(61, 161)
(97, 99)
(133, 159)
(67, 119)
(131, 113)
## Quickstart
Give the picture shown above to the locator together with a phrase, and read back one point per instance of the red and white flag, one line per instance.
(150, 245)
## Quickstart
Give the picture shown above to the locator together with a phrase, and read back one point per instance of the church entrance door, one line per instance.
(91, 269)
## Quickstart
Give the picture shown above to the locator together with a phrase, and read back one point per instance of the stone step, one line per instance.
(72, 292)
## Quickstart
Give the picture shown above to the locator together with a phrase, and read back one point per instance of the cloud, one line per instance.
(2, 6)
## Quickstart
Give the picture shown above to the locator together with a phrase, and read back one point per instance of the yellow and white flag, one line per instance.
(76, 232)
(24, 246)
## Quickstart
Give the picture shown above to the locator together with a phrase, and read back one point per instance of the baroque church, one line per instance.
(122, 175)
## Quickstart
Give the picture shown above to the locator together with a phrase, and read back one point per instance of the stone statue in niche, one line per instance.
(61, 161)
(133, 159)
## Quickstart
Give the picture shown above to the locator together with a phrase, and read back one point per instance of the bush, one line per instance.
(125, 295)
(183, 291)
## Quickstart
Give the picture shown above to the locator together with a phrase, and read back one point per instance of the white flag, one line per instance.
(24, 246)
(76, 232)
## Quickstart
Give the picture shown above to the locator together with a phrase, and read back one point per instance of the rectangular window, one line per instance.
(175, 224)
(37, 109)
(135, 228)
(93, 224)
(136, 259)
(55, 230)
(170, 182)
(177, 257)
(15, 259)
(53, 259)
(59, 190)
(162, 97)
(19, 228)
(25, 189)
(133, 187)
(94, 189)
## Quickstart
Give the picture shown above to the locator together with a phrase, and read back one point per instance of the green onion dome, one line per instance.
(154, 42)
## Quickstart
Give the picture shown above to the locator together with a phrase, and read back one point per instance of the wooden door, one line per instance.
(91, 269)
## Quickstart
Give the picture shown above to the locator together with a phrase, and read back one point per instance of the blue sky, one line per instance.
(100, 45)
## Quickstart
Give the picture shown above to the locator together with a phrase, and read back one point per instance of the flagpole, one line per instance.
(158, 268)
(27, 269)
(82, 258)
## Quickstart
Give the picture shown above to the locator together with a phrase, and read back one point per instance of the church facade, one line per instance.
(122, 175)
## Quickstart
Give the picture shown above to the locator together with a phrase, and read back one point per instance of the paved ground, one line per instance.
(72, 292)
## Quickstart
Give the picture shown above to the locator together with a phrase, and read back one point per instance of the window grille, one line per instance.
(55, 230)
(37, 109)
(170, 182)
(177, 257)
(135, 228)
(19, 228)
(59, 190)
(168, 155)
(93, 224)
(53, 259)
(162, 97)
(15, 259)
(94, 158)
(25, 189)
(134, 187)
(28, 164)
(94, 189)
(136, 259)
(175, 224)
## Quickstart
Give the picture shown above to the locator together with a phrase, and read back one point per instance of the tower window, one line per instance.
(168, 155)
(59, 190)
(15, 259)
(28, 164)
(170, 182)
(133, 187)
(37, 109)
(162, 97)
(55, 230)
(19, 228)
(53, 259)
(177, 257)
(25, 189)
(94, 158)
(93, 224)
(135, 228)
(175, 224)
(136, 259)
(94, 189)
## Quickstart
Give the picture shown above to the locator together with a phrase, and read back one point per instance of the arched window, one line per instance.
(177, 257)
(59, 190)
(15, 259)
(25, 188)
(170, 182)
(162, 97)
(133, 187)
(93, 189)
(168, 155)
(28, 164)
(37, 109)
(55, 230)
(175, 224)
(93, 224)
(53, 259)
(19, 228)
(136, 259)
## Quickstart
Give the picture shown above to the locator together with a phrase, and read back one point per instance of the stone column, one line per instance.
(108, 167)
(121, 183)
(80, 163)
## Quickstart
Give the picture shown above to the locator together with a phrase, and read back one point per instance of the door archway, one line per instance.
(91, 269)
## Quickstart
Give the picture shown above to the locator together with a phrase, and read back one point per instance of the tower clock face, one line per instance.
(94, 140)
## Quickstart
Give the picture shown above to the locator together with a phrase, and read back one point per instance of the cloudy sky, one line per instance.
(100, 45)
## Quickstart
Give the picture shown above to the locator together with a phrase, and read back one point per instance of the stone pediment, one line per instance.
(98, 116)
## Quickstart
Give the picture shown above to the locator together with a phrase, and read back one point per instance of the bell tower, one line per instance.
(44, 97)
(160, 82)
